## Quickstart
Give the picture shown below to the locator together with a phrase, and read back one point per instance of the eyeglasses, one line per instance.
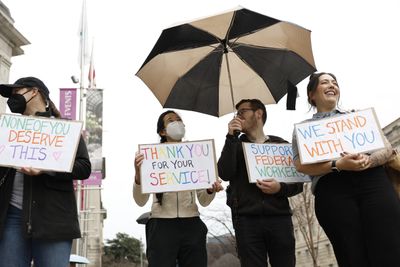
(240, 112)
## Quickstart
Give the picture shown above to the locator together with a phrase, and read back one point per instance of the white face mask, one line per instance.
(176, 130)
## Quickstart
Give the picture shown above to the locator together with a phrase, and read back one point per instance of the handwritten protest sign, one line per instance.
(42, 143)
(325, 139)
(178, 166)
(267, 161)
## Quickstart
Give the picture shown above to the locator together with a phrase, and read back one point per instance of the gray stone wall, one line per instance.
(11, 41)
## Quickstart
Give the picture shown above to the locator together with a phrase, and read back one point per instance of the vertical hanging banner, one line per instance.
(68, 103)
(94, 127)
(324, 140)
(95, 178)
(42, 143)
(169, 167)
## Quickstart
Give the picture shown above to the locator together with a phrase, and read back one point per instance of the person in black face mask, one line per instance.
(38, 212)
(29, 96)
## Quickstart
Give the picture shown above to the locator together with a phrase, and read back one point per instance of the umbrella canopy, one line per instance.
(73, 258)
(208, 65)
(144, 218)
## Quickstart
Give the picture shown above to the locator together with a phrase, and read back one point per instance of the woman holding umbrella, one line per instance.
(355, 202)
(175, 233)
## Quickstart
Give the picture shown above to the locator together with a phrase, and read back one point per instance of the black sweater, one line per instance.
(246, 198)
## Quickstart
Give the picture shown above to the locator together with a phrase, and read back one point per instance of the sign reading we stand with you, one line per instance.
(325, 139)
(271, 161)
(37, 142)
(169, 167)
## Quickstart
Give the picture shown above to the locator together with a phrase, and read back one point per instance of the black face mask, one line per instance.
(17, 103)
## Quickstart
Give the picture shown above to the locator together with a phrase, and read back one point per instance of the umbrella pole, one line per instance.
(229, 78)
(236, 132)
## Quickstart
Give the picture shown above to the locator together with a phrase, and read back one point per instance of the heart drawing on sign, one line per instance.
(2, 148)
(57, 155)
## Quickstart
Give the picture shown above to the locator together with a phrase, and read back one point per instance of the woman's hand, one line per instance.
(268, 186)
(138, 162)
(30, 171)
(216, 187)
(353, 162)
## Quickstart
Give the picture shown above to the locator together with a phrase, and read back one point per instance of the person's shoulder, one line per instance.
(276, 139)
(347, 111)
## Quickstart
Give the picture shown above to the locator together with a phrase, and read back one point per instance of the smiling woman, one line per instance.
(352, 194)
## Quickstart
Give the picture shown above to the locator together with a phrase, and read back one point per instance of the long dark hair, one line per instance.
(51, 108)
(163, 139)
(313, 84)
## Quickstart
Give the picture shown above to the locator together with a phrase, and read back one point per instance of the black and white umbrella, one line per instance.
(210, 64)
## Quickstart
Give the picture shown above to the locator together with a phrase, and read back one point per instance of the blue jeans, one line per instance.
(17, 251)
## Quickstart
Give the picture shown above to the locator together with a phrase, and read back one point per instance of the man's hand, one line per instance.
(269, 186)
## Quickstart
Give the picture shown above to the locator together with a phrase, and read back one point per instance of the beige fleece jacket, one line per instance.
(174, 204)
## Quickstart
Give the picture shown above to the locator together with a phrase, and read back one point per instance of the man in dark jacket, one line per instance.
(260, 212)
(38, 212)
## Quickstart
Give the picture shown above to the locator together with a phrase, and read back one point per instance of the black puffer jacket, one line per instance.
(246, 198)
(49, 205)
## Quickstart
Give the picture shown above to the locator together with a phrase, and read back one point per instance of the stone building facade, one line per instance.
(392, 132)
(11, 41)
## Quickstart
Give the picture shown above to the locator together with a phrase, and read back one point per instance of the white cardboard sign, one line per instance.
(169, 167)
(271, 161)
(37, 142)
(325, 139)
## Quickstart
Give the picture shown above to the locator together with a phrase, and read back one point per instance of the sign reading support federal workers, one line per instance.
(325, 139)
(271, 161)
(169, 167)
(37, 142)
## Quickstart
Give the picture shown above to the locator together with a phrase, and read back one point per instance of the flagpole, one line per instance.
(82, 114)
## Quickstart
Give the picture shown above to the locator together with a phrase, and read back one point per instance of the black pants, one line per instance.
(360, 213)
(260, 237)
(177, 240)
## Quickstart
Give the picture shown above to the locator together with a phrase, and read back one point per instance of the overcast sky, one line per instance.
(356, 40)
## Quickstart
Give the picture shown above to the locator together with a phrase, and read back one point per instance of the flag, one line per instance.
(92, 72)
(83, 38)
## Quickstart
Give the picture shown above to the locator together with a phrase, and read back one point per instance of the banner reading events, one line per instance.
(271, 161)
(325, 139)
(42, 143)
(68, 103)
(178, 166)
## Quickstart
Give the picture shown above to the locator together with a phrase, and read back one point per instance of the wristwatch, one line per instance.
(333, 166)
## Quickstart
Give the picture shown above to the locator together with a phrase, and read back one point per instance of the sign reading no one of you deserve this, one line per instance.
(37, 142)
(271, 161)
(181, 166)
(325, 139)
